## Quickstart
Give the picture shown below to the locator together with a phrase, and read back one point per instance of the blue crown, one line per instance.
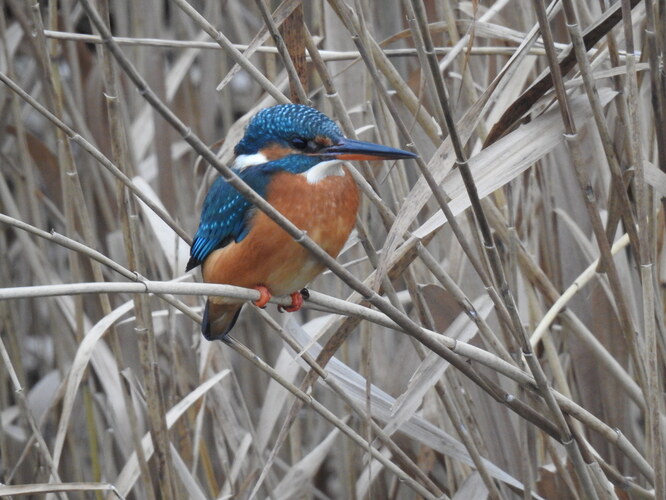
(283, 123)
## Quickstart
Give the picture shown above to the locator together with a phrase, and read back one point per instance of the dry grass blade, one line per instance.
(505, 160)
(41, 489)
(130, 472)
(281, 13)
(292, 484)
(432, 368)
(382, 405)
(441, 162)
(175, 250)
(421, 385)
(79, 366)
(579, 283)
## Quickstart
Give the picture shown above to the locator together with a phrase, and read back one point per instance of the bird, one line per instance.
(293, 156)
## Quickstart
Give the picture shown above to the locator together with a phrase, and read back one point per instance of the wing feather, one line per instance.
(224, 218)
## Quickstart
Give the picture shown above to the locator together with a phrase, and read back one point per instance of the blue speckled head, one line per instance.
(282, 124)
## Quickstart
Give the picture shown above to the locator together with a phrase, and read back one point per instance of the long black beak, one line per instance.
(349, 149)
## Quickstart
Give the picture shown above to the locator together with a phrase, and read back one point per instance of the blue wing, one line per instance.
(225, 217)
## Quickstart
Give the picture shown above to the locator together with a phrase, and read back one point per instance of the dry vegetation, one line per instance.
(478, 340)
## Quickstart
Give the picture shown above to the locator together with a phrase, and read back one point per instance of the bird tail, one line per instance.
(219, 319)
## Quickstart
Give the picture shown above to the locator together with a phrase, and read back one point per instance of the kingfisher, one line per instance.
(293, 156)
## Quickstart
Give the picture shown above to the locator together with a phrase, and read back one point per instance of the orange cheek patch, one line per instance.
(323, 141)
(276, 151)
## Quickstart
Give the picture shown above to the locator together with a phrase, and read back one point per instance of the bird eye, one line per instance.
(299, 143)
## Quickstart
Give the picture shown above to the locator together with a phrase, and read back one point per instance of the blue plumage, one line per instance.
(284, 123)
(222, 221)
(224, 218)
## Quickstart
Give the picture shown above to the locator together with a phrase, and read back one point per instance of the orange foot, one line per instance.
(296, 303)
(264, 298)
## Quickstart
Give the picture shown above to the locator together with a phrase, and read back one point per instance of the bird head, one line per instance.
(305, 137)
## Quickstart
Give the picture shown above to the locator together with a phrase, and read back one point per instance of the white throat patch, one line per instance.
(324, 169)
(243, 161)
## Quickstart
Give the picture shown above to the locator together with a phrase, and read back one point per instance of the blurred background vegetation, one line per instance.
(527, 361)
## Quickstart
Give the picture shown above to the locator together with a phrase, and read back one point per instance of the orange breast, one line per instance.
(268, 256)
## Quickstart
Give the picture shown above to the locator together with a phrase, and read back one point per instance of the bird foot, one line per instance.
(264, 298)
(296, 303)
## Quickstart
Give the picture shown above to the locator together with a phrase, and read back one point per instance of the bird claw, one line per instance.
(264, 298)
(296, 303)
